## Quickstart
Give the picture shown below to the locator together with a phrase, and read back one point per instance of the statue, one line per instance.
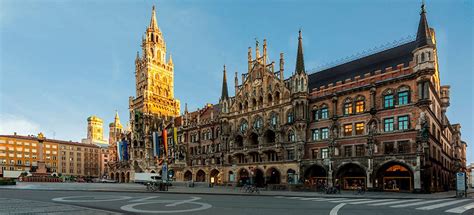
(424, 127)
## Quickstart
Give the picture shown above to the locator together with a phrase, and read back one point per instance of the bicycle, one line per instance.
(151, 186)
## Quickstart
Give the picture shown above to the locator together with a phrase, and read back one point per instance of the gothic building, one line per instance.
(378, 121)
(153, 105)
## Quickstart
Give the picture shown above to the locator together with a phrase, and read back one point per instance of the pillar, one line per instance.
(369, 174)
(417, 175)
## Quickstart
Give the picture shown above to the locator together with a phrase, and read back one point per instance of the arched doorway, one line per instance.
(122, 177)
(112, 176)
(351, 176)
(394, 176)
(243, 177)
(231, 176)
(200, 176)
(315, 174)
(273, 176)
(259, 180)
(127, 177)
(291, 176)
(214, 177)
(188, 176)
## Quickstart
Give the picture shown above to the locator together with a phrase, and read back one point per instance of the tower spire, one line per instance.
(153, 23)
(225, 93)
(299, 55)
(423, 36)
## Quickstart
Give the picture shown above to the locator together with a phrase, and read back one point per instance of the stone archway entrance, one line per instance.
(273, 176)
(394, 176)
(188, 176)
(214, 177)
(244, 177)
(200, 176)
(122, 177)
(127, 177)
(259, 180)
(315, 174)
(351, 176)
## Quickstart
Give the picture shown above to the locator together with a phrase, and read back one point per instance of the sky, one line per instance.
(63, 60)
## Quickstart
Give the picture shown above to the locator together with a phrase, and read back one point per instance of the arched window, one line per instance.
(422, 57)
(301, 85)
(274, 119)
(403, 95)
(290, 116)
(388, 99)
(360, 104)
(243, 125)
(324, 112)
(258, 123)
(291, 136)
(347, 107)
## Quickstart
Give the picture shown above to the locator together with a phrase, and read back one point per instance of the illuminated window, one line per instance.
(324, 153)
(347, 107)
(348, 130)
(360, 104)
(359, 128)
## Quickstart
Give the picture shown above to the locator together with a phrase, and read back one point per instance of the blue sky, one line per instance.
(62, 60)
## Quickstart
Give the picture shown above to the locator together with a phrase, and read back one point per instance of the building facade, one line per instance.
(378, 121)
(21, 153)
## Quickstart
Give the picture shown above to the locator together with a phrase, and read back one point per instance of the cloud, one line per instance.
(19, 124)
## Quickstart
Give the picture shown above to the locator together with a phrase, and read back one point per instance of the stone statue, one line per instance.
(424, 127)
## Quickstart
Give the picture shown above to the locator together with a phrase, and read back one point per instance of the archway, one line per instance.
(315, 174)
(122, 177)
(253, 139)
(273, 176)
(351, 176)
(112, 176)
(239, 141)
(200, 176)
(395, 176)
(269, 136)
(127, 177)
(231, 176)
(215, 177)
(188, 176)
(243, 176)
(291, 176)
(259, 178)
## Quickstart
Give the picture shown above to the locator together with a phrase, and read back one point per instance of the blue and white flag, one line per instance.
(119, 151)
(125, 150)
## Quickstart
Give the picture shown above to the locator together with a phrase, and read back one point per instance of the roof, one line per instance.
(392, 57)
(35, 138)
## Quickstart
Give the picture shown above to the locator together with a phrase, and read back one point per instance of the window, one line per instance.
(258, 123)
(348, 151)
(291, 154)
(348, 130)
(18, 162)
(403, 146)
(290, 117)
(388, 101)
(388, 124)
(315, 134)
(324, 133)
(389, 148)
(291, 136)
(360, 150)
(274, 119)
(243, 126)
(314, 153)
(315, 115)
(403, 96)
(347, 107)
(360, 104)
(324, 153)
(324, 112)
(359, 128)
(403, 123)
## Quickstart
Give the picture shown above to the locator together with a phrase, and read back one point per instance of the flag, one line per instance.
(156, 144)
(125, 150)
(175, 136)
(165, 141)
(119, 151)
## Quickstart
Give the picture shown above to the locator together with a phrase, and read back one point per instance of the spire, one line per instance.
(116, 119)
(185, 107)
(170, 61)
(225, 93)
(299, 55)
(423, 36)
(153, 23)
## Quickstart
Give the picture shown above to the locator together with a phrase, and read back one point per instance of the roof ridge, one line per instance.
(365, 53)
